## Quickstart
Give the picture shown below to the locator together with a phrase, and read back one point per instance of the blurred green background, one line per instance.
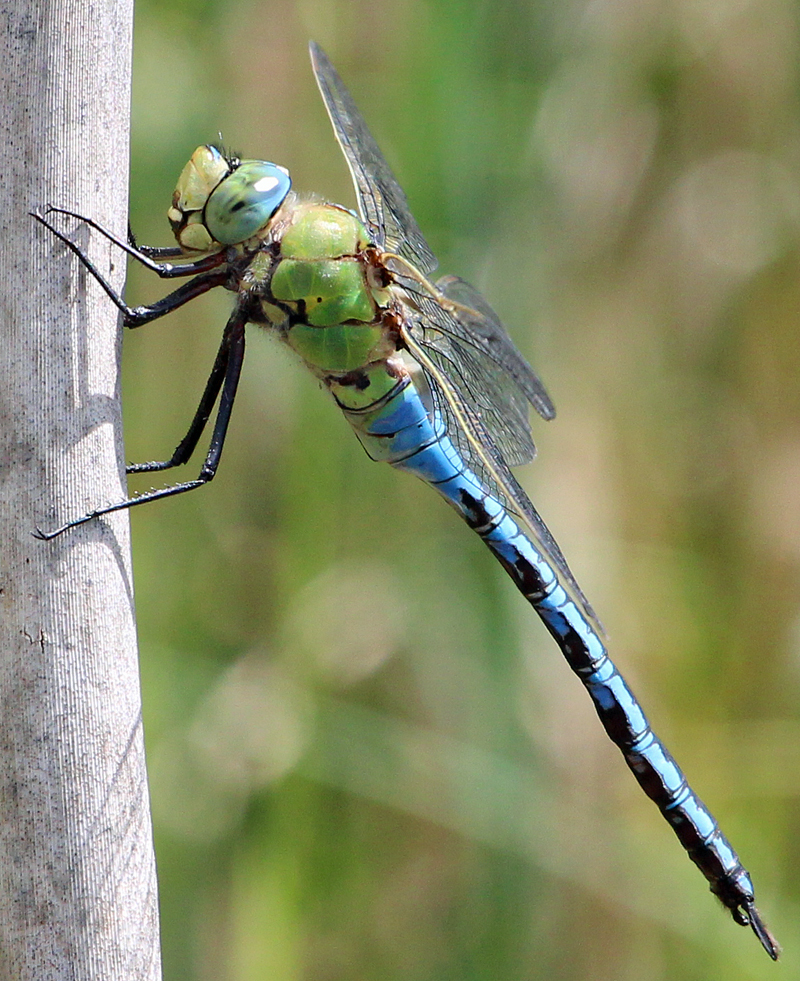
(367, 758)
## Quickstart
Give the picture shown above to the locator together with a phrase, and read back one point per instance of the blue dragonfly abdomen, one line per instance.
(405, 428)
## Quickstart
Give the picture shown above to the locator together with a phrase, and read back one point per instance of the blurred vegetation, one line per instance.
(368, 760)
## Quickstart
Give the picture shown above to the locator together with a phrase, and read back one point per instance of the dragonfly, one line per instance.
(427, 377)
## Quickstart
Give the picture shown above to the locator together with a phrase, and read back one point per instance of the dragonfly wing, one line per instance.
(499, 406)
(474, 443)
(382, 202)
(479, 359)
(479, 324)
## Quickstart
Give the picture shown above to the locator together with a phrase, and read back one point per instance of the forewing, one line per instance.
(477, 449)
(382, 203)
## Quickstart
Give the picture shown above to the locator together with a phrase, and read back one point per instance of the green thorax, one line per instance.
(320, 278)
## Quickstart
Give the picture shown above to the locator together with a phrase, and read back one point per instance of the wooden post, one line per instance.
(78, 898)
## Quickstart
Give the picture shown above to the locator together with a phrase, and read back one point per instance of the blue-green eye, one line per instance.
(246, 200)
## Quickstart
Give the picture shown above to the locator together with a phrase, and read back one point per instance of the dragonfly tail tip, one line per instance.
(760, 929)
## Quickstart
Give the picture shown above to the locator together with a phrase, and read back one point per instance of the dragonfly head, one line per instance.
(221, 200)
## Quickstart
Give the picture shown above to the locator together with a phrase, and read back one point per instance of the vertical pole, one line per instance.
(78, 896)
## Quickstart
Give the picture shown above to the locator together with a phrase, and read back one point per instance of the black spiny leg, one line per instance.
(210, 276)
(150, 251)
(187, 445)
(142, 253)
(225, 374)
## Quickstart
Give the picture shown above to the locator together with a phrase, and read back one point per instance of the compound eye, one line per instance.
(244, 202)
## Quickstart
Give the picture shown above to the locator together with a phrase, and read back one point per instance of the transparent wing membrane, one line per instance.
(483, 363)
(382, 202)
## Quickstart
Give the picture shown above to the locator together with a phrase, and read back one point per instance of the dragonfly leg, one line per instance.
(152, 251)
(187, 445)
(136, 316)
(144, 253)
(233, 343)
